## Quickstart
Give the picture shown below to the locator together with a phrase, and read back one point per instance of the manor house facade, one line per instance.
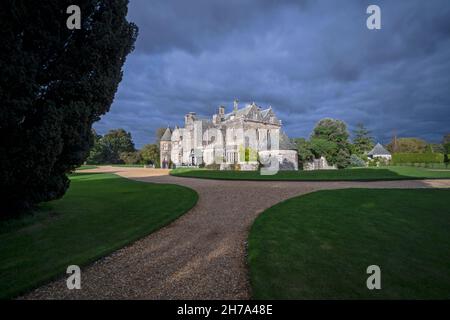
(243, 136)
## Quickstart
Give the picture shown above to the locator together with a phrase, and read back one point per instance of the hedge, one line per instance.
(417, 158)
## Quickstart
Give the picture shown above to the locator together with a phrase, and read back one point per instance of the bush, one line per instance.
(403, 158)
(378, 161)
(373, 162)
(235, 167)
(357, 162)
(213, 166)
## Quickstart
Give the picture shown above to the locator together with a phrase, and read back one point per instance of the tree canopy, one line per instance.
(55, 83)
(446, 143)
(330, 139)
(116, 146)
(362, 140)
(331, 130)
(446, 147)
(304, 150)
(407, 145)
(150, 154)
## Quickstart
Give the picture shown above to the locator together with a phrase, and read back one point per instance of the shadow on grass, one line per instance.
(316, 175)
(100, 213)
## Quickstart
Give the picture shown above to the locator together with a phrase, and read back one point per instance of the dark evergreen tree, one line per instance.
(54, 84)
(362, 141)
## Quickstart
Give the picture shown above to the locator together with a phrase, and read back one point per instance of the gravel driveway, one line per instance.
(201, 255)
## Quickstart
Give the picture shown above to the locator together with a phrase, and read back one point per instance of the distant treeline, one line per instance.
(117, 147)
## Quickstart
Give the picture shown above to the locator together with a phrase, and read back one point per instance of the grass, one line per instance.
(85, 167)
(318, 246)
(99, 214)
(360, 174)
(113, 165)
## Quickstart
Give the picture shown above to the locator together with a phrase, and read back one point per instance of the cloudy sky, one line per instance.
(307, 59)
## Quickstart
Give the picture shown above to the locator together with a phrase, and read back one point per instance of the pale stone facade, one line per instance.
(243, 136)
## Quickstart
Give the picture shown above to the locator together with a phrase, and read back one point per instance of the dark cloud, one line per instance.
(308, 59)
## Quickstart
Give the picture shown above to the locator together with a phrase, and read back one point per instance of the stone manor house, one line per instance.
(243, 136)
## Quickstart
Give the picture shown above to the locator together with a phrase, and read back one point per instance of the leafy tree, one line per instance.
(55, 83)
(304, 151)
(446, 143)
(150, 154)
(408, 145)
(331, 130)
(330, 139)
(323, 147)
(108, 149)
(100, 153)
(446, 147)
(118, 141)
(362, 141)
(131, 157)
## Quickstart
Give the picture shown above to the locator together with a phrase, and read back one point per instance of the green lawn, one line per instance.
(85, 167)
(89, 166)
(99, 214)
(362, 174)
(318, 246)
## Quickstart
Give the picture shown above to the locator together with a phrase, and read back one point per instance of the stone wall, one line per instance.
(318, 164)
(287, 159)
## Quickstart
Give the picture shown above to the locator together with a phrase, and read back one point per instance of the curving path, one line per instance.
(201, 255)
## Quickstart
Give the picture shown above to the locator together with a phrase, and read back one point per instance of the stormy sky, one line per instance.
(307, 59)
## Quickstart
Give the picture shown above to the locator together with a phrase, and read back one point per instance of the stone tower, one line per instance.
(165, 147)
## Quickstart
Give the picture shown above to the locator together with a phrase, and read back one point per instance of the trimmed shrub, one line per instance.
(402, 158)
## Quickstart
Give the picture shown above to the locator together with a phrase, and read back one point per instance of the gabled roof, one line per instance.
(241, 112)
(167, 135)
(379, 150)
(266, 112)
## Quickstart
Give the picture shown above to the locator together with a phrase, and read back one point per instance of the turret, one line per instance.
(165, 147)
